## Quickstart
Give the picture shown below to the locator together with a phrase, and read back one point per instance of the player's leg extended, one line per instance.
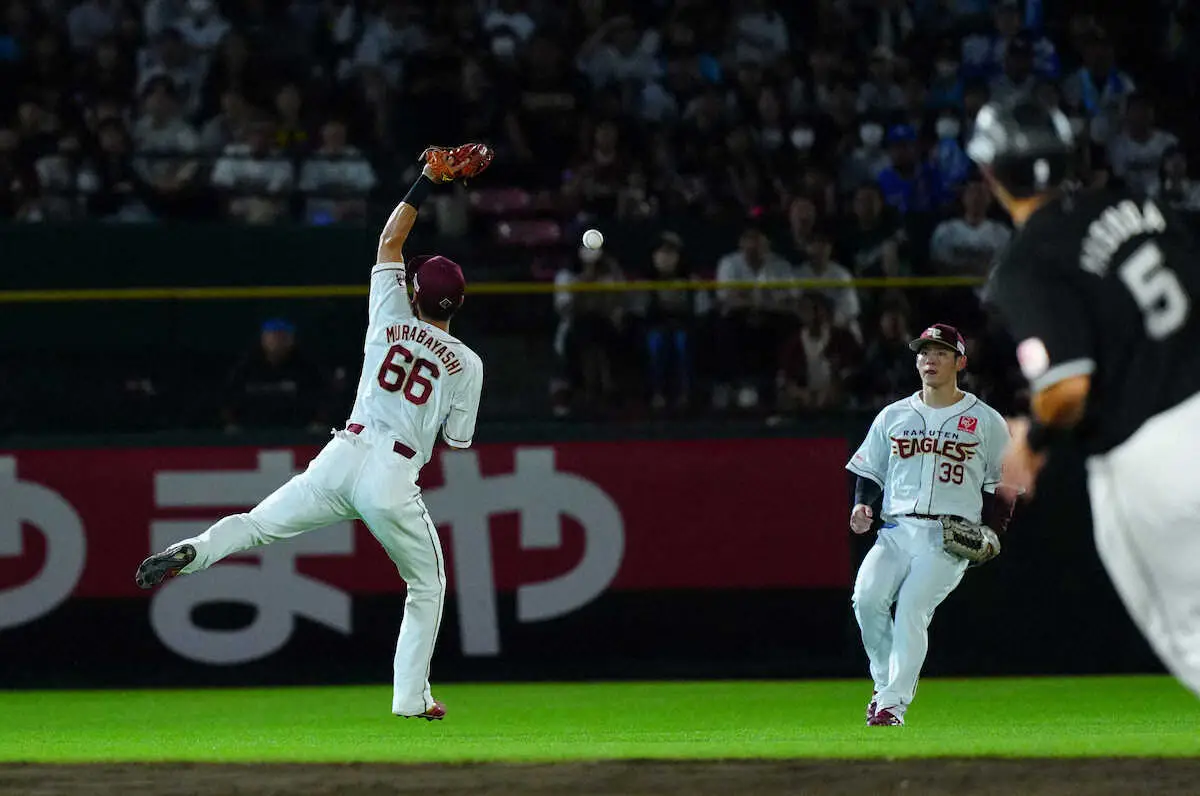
(403, 526)
(312, 499)
(1148, 536)
(883, 570)
(931, 577)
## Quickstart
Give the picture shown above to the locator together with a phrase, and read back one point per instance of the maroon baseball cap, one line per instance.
(941, 334)
(438, 286)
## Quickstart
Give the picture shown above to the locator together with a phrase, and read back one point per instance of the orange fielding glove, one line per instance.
(462, 162)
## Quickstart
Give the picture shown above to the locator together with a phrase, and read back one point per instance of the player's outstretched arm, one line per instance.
(400, 222)
(441, 165)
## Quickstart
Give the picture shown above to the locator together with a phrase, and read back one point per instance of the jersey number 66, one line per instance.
(415, 383)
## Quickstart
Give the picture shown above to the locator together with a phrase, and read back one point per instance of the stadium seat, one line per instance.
(500, 201)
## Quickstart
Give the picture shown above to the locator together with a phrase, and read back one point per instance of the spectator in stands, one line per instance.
(888, 364)
(64, 177)
(202, 25)
(120, 194)
(669, 328)
(91, 21)
(107, 73)
(47, 74)
(1099, 89)
(544, 112)
(946, 85)
(170, 57)
(38, 127)
(750, 321)
(759, 32)
(253, 177)
(291, 124)
(275, 385)
(596, 181)
(617, 53)
(870, 241)
(336, 178)
(881, 94)
(983, 54)
(968, 245)
(587, 335)
(842, 301)
(884, 23)
(817, 362)
(802, 223)
(1136, 153)
(17, 178)
(164, 141)
(227, 126)
(910, 184)
(948, 155)
(234, 68)
(388, 39)
(1017, 79)
(866, 161)
(508, 25)
(1175, 187)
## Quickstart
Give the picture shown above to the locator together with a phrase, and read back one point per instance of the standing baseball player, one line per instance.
(1100, 290)
(931, 462)
(416, 379)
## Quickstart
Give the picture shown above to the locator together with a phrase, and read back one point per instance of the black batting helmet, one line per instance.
(1025, 146)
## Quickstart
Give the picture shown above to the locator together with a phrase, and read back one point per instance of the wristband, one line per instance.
(418, 192)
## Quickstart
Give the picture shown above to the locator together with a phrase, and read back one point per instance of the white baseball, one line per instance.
(593, 239)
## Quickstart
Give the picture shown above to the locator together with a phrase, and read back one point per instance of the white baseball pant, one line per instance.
(1145, 497)
(907, 567)
(357, 477)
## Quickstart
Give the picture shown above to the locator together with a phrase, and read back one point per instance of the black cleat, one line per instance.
(160, 566)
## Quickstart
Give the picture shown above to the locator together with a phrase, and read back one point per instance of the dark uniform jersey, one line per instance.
(1105, 284)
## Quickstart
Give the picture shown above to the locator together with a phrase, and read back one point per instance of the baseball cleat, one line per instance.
(435, 713)
(885, 718)
(160, 566)
(871, 707)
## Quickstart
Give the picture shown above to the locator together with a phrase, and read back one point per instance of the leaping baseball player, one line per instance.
(416, 379)
(933, 461)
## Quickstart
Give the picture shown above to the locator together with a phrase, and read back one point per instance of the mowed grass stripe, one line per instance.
(1038, 717)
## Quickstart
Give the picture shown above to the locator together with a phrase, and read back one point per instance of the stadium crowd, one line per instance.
(828, 135)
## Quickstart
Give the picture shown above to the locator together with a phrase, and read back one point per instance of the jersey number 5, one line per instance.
(415, 383)
(1156, 290)
(951, 473)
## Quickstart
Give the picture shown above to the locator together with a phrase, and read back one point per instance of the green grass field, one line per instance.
(1129, 716)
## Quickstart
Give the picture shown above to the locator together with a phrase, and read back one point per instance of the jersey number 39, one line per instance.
(1156, 290)
(415, 382)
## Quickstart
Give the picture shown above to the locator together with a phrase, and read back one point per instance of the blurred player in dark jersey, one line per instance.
(1100, 289)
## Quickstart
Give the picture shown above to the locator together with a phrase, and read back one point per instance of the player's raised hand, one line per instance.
(445, 164)
(861, 518)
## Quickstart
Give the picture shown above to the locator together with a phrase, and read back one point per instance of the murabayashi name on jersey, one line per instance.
(955, 451)
(406, 333)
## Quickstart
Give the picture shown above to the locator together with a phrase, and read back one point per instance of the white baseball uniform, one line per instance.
(416, 379)
(929, 462)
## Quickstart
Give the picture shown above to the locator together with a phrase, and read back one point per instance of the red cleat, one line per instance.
(871, 707)
(435, 713)
(885, 718)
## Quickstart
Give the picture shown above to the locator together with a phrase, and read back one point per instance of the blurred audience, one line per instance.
(276, 385)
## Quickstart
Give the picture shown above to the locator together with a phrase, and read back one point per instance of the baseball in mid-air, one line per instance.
(593, 239)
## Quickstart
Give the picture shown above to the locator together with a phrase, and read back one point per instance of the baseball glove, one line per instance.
(460, 162)
(976, 543)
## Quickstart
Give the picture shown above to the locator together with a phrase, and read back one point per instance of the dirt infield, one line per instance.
(629, 778)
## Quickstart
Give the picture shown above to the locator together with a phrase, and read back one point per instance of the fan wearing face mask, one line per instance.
(867, 161)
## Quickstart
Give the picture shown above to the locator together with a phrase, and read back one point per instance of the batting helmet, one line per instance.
(1026, 147)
